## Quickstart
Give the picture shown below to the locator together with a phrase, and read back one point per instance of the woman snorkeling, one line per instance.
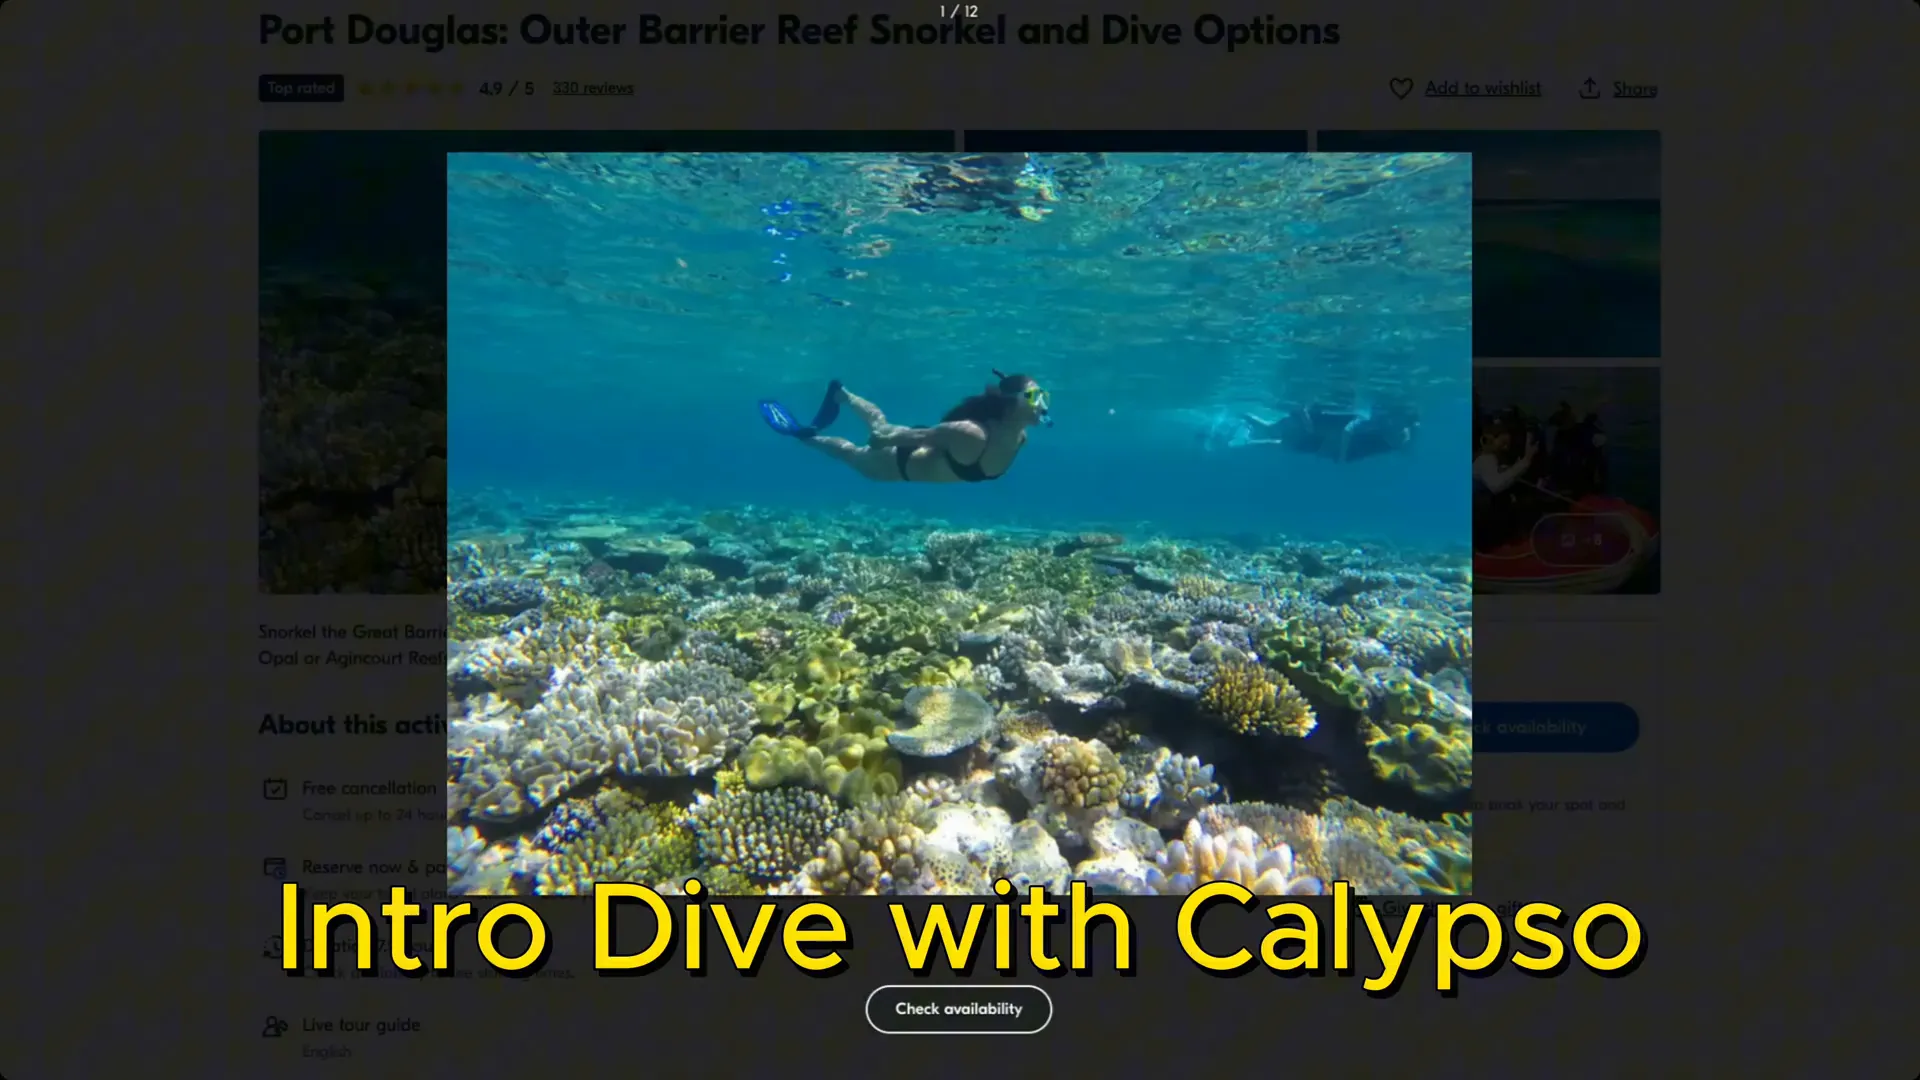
(976, 440)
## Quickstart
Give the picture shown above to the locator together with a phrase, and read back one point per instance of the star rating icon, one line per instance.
(388, 88)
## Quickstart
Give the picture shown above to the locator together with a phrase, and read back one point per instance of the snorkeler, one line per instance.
(1494, 513)
(976, 440)
(1340, 435)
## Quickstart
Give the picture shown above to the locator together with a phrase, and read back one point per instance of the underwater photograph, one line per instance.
(894, 524)
(351, 434)
(1566, 236)
(1566, 480)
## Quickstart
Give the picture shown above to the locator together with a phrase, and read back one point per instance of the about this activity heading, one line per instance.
(960, 24)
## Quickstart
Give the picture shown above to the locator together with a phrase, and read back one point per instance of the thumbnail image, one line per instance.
(1566, 480)
(845, 524)
(1571, 279)
(1566, 236)
(352, 371)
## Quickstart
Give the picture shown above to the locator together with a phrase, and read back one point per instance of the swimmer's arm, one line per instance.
(1497, 480)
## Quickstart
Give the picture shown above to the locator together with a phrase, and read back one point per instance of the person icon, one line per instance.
(273, 1028)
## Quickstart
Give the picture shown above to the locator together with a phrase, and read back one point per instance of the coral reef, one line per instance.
(944, 720)
(764, 835)
(1252, 699)
(352, 434)
(866, 704)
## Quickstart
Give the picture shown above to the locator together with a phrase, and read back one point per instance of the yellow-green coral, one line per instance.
(1420, 739)
(652, 637)
(1437, 856)
(1030, 572)
(823, 682)
(643, 602)
(852, 766)
(903, 670)
(466, 625)
(881, 622)
(1198, 587)
(1124, 655)
(565, 602)
(751, 620)
(1313, 657)
(1255, 700)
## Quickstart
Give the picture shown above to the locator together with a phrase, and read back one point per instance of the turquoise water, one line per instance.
(612, 320)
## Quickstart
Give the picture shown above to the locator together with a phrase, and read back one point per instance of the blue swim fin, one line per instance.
(829, 407)
(782, 421)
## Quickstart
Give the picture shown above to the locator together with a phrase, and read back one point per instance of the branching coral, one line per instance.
(1236, 854)
(1080, 775)
(526, 659)
(632, 720)
(613, 836)
(497, 595)
(1255, 700)
(765, 835)
(475, 868)
(1378, 852)
(1167, 788)
(877, 852)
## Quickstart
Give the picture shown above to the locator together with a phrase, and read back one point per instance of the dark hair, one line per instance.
(993, 405)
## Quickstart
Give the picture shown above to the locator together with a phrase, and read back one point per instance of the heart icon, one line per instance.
(1400, 87)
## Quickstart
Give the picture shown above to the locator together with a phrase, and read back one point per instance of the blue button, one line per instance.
(1554, 727)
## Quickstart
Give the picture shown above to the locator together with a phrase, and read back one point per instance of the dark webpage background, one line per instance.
(130, 937)
(353, 230)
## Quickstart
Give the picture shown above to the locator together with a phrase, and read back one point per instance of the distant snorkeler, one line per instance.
(1337, 434)
(975, 441)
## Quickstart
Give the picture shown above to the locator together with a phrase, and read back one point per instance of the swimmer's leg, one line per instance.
(1346, 436)
(879, 432)
(874, 463)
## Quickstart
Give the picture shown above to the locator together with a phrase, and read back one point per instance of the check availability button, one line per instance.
(959, 1009)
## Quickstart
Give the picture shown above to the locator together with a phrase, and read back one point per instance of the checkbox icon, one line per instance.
(273, 789)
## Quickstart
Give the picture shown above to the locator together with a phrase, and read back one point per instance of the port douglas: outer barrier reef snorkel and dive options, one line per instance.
(1207, 30)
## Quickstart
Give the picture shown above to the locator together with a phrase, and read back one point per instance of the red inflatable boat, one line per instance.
(1594, 546)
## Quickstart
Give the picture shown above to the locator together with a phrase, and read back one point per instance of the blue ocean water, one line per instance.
(613, 319)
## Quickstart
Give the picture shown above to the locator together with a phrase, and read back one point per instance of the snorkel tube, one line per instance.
(1037, 398)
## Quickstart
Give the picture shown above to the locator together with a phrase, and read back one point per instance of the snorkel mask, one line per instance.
(1036, 398)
